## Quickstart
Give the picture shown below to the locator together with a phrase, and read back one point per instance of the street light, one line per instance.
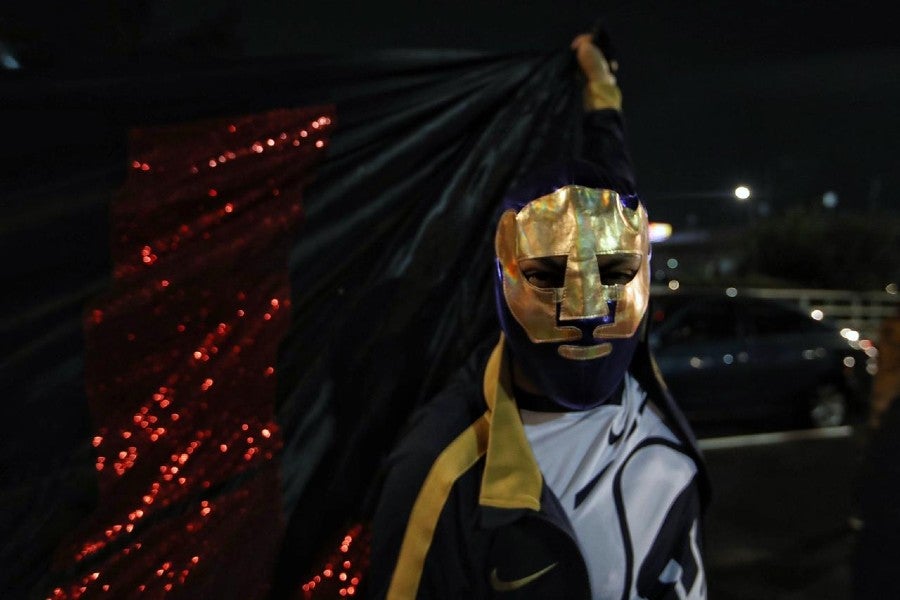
(741, 193)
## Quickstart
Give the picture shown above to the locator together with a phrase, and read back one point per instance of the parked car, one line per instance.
(730, 358)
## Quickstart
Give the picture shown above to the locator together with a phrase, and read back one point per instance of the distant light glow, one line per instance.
(674, 285)
(731, 292)
(849, 362)
(672, 263)
(850, 334)
(742, 192)
(829, 199)
(891, 288)
(817, 314)
(660, 232)
(9, 62)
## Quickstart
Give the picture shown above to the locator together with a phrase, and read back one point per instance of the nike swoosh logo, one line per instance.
(615, 437)
(507, 586)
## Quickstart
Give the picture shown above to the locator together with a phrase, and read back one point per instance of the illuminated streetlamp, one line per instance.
(742, 192)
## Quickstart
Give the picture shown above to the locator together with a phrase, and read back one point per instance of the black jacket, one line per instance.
(464, 510)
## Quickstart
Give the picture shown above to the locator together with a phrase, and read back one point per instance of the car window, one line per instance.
(704, 320)
(770, 318)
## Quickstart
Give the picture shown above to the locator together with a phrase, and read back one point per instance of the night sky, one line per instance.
(790, 98)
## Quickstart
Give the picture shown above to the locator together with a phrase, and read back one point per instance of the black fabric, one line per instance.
(391, 279)
(389, 272)
(53, 258)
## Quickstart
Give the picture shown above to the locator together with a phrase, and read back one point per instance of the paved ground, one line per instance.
(779, 526)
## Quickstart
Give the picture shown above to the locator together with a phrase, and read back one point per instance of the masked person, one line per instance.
(557, 466)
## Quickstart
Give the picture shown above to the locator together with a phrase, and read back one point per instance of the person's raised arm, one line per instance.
(604, 131)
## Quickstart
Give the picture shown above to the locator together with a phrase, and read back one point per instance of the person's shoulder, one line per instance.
(667, 422)
(657, 457)
(654, 425)
(652, 430)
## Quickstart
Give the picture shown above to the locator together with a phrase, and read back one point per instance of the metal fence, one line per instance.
(861, 311)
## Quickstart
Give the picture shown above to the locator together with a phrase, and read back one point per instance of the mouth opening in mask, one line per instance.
(588, 347)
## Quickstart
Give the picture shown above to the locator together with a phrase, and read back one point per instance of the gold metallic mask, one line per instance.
(580, 223)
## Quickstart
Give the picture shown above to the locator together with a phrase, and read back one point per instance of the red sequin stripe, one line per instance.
(180, 360)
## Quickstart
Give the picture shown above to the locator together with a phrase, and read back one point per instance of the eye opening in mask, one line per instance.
(545, 272)
(618, 268)
(549, 272)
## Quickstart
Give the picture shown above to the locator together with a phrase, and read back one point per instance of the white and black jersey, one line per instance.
(627, 487)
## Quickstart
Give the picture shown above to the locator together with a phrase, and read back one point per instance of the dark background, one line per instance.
(791, 98)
